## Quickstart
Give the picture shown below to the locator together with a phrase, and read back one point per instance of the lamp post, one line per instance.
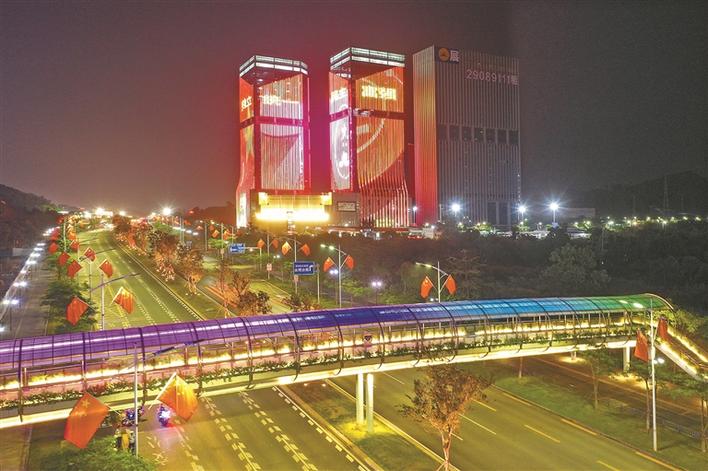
(102, 287)
(376, 285)
(455, 208)
(440, 273)
(553, 206)
(340, 265)
(521, 210)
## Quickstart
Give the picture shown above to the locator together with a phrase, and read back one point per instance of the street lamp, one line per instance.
(455, 208)
(376, 285)
(167, 211)
(340, 265)
(554, 207)
(522, 211)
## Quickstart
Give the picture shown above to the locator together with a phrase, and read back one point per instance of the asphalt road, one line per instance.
(505, 433)
(251, 431)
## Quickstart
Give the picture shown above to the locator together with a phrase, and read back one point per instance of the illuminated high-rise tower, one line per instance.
(274, 160)
(466, 119)
(367, 138)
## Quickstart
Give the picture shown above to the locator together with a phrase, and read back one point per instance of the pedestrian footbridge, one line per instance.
(40, 377)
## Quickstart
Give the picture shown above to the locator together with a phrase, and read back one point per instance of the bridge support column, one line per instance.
(360, 398)
(626, 359)
(370, 402)
(573, 355)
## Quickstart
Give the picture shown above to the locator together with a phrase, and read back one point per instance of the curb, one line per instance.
(636, 449)
(358, 452)
(395, 428)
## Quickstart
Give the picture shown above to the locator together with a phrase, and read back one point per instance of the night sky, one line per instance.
(132, 106)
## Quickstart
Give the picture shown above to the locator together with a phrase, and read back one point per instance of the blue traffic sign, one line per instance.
(237, 248)
(304, 268)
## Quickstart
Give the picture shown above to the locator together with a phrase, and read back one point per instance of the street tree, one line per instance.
(600, 362)
(301, 302)
(190, 264)
(253, 303)
(58, 296)
(642, 371)
(687, 386)
(573, 271)
(441, 399)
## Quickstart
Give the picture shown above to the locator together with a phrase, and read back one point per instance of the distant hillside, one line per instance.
(21, 200)
(678, 193)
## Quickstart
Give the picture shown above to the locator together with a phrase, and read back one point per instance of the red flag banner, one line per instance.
(450, 284)
(124, 299)
(662, 329)
(274, 243)
(63, 258)
(260, 244)
(349, 261)
(305, 249)
(75, 310)
(73, 268)
(227, 234)
(215, 234)
(84, 420)
(106, 268)
(55, 234)
(53, 247)
(179, 396)
(641, 350)
(74, 246)
(329, 263)
(71, 235)
(425, 287)
(90, 254)
(285, 248)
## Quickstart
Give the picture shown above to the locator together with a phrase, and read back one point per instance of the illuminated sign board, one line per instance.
(444, 54)
(382, 93)
(487, 76)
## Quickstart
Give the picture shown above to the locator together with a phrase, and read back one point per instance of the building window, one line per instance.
(491, 135)
(478, 134)
(514, 138)
(501, 136)
(442, 132)
(466, 133)
(454, 133)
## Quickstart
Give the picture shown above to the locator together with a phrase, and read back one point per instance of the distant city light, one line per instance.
(121, 213)
(166, 211)
(522, 209)
(455, 207)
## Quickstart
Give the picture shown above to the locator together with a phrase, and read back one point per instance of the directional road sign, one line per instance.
(304, 268)
(237, 248)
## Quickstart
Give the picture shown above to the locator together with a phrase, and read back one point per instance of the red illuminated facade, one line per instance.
(273, 109)
(366, 90)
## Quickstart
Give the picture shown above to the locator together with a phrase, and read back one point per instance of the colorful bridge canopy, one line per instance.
(100, 345)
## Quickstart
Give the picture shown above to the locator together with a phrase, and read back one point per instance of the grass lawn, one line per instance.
(673, 447)
(388, 449)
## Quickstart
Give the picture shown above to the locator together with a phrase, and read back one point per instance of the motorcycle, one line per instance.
(129, 419)
(163, 416)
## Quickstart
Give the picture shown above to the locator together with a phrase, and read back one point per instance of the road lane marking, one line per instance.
(458, 437)
(485, 405)
(542, 433)
(394, 378)
(516, 399)
(607, 465)
(578, 426)
(480, 425)
(659, 462)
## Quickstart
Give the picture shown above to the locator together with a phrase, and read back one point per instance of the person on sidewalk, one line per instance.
(124, 440)
(117, 437)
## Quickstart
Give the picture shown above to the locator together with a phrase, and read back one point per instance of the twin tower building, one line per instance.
(465, 147)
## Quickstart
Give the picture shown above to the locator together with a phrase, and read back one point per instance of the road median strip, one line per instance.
(578, 426)
(657, 461)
